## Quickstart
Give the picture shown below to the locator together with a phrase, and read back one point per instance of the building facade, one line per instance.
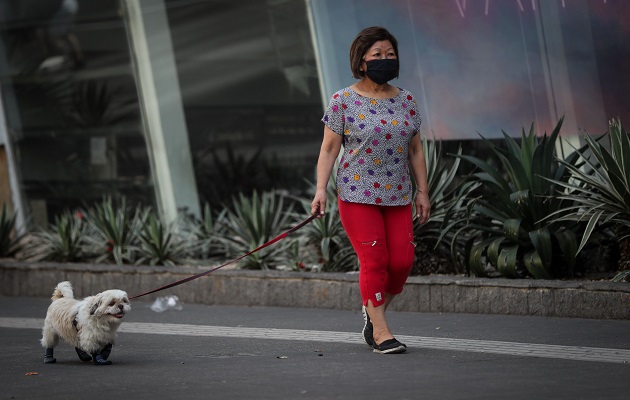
(182, 103)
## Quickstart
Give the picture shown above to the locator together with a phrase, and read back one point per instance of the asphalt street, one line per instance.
(223, 352)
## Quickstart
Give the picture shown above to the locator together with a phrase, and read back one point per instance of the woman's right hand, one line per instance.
(331, 145)
(318, 206)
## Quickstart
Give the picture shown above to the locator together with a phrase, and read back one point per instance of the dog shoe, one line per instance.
(48, 357)
(390, 346)
(99, 360)
(368, 329)
(83, 356)
(107, 350)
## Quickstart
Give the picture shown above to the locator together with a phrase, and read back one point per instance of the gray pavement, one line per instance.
(224, 352)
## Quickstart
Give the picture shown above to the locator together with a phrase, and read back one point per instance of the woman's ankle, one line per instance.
(381, 335)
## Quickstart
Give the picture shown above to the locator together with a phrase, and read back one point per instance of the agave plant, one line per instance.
(221, 177)
(62, 241)
(205, 232)
(510, 231)
(250, 223)
(93, 103)
(9, 241)
(601, 189)
(110, 231)
(448, 199)
(324, 241)
(623, 276)
(160, 243)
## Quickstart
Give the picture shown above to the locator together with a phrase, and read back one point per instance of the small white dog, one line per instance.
(89, 325)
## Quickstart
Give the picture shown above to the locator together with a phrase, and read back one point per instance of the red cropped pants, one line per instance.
(382, 237)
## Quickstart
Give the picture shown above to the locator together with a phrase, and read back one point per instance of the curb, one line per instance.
(448, 294)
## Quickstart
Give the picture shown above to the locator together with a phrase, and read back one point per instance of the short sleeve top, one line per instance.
(376, 135)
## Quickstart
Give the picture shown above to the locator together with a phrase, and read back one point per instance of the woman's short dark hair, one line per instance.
(362, 43)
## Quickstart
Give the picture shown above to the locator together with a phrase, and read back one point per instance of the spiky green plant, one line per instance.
(110, 231)
(9, 240)
(329, 241)
(160, 243)
(94, 103)
(324, 241)
(221, 174)
(62, 241)
(510, 231)
(601, 189)
(448, 197)
(206, 232)
(623, 276)
(252, 221)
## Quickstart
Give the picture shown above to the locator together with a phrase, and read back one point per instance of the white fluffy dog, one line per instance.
(89, 325)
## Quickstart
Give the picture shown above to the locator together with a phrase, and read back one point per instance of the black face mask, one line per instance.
(382, 71)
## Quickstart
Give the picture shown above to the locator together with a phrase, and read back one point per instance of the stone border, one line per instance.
(449, 294)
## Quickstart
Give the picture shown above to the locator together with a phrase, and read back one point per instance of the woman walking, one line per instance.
(378, 125)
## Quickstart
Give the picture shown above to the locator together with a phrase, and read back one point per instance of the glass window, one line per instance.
(250, 91)
(482, 66)
(71, 104)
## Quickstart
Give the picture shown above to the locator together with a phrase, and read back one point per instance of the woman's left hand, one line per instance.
(423, 207)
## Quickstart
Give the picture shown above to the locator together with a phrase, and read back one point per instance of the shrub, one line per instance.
(250, 223)
(9, 241)
(206, 232)
(62, 241)
(510, 232)
(160, 243)
(324, 242)
(110, 231)
(448, 199)
(600, 191)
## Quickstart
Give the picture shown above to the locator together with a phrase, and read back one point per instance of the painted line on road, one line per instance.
(577, 353)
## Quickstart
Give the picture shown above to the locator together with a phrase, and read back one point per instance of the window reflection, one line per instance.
(71, 105)
(483, 66)
(250, 92)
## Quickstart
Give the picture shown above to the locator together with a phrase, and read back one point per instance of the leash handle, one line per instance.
(193, 277)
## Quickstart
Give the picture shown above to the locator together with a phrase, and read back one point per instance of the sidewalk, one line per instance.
(234, 352)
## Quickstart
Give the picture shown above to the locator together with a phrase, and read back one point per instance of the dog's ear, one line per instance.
(95, 306)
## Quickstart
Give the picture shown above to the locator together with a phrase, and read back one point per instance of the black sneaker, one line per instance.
(391, 346)
(368, 329)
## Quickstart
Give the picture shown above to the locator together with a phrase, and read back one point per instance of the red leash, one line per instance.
(272, 241)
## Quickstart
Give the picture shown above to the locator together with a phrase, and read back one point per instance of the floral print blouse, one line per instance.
(376, 135)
